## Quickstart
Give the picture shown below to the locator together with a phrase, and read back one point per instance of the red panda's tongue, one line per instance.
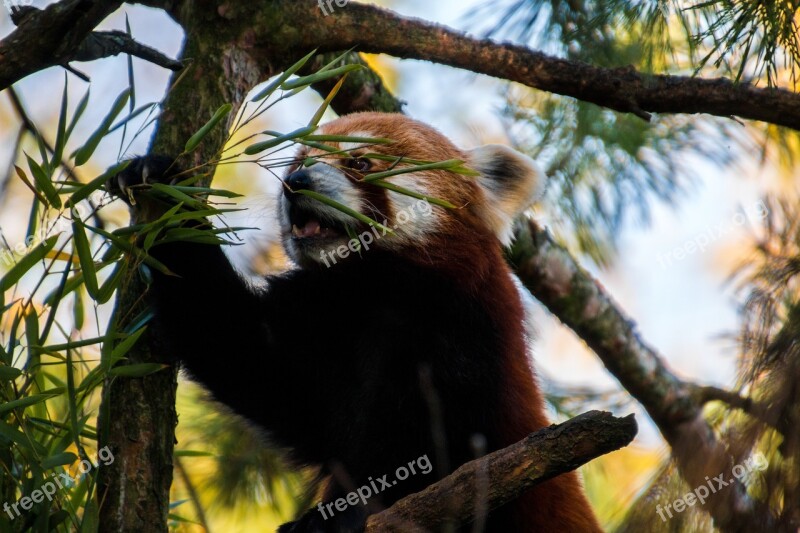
(310, 229)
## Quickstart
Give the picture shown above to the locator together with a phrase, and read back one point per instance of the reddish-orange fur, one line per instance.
(467, 250)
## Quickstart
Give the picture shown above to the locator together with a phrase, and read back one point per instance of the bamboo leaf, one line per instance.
(59, 459)
(344, 209)
(27, 401)
(194, 140)
(26, 263)
(12, 434)
(439, 165)
(61, 131)
(192, 453)
(8, 373)
(27, 182)
(78, 112)
(413, 194)
(43, 183)
(85, 152)
(99, 181)
(124, 346)
(264, 145)
(322, 108)
(137, 370)
(85, 256)
(91, 517)
(319, 76)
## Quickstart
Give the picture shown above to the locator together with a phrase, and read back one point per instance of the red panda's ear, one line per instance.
(511, 181)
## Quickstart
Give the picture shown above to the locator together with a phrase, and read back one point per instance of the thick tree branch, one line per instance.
(373, 29)
(507, 473)
(49, 37)
(581, 303)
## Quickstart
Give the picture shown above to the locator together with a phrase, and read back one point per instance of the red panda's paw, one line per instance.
(352, 520)
(141, 172)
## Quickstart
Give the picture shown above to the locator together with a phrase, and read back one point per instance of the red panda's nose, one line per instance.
(300, 179)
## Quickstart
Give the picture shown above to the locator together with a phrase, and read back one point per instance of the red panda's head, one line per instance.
(485, 205)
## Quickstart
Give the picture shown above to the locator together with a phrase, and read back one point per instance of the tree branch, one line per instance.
(100, 44)
(48, 37)
(508, 473)
(580, 302)
(374, 29)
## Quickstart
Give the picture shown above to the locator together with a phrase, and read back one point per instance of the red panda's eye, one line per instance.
(358, 163)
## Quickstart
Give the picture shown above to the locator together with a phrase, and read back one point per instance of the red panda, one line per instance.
(380, 347)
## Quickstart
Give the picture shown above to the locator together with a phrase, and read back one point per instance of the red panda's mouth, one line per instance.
(306, 225)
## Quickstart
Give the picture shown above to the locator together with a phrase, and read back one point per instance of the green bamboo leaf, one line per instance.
(194, 140)
(137, 370)
(78, 112)
(78, 311)
(135, 113)
(73, 404)
(32, 330)
(111, 284)
(320, 146)
(85, 152)
(322, 108)
(27, 182)
(27, 401)
(95, 184)
(9, 373)
(344, 209)
(61, 131)
(192, 453)
(178, 518)
(129, 248)
(12, 434)
(153, 229)
(182, 197)
(269, 89)
(439, 165)
(121, 349)
(43, 151)
(206, 191)
(90, 522)
(304, 81)
(59, 459)
(264, 145)
(43, 183)
(85, 256)
(413, 194)
(458, 169)
(26, 263)
(71, 345)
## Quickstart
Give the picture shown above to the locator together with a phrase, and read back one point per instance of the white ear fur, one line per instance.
(512, 182)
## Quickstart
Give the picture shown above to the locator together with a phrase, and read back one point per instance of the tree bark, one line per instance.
(137, 417)
(507, 473)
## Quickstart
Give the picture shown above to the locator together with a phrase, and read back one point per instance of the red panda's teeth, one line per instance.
(310, 229)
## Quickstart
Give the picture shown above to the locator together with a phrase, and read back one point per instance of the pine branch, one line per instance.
(374, 29)
(507, 473)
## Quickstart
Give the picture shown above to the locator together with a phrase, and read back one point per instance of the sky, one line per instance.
(671, 276)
